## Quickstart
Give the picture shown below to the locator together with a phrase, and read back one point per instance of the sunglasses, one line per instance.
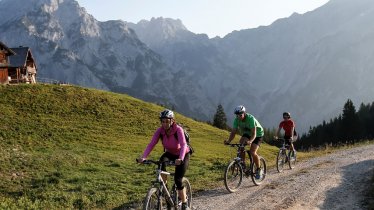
(165, 121)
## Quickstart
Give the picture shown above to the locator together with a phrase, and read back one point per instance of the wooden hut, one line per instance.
(5, 52)
(22, 67)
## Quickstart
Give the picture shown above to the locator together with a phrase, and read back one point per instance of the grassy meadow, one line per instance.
(67, 147)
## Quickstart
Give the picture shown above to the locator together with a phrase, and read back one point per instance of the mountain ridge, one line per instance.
(308, 63)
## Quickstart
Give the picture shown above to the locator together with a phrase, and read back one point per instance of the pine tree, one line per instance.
(220, 119)
(350, 122)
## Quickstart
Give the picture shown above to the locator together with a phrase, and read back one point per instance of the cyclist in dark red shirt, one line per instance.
(288, 125)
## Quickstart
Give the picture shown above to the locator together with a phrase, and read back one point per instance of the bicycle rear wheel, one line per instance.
(233, 176)
(258, 181)
(187, 185)
(281, 160)
(152, 200)
(176, 199)
(292, 159)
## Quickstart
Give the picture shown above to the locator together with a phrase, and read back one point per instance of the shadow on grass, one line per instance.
(129, 206)
(356, 181)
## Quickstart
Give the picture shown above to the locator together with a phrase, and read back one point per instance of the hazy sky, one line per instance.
(212, 17)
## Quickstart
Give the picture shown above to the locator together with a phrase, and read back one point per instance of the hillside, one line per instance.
(71, 147)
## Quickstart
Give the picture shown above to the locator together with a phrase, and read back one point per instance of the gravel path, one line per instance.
(335, 181)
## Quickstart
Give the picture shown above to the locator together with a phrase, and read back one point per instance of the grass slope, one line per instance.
(70, 147)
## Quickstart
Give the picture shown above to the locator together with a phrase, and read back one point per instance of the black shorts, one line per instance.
(180, 170)
(287, 140)
(257, 141)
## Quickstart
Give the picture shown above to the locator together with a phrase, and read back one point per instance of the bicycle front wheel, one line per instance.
(233, 176)
(152, 200)
(258, 180)
(281, 160)
(292, 159)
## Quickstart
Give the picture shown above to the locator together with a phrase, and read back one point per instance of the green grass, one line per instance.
(67, 147)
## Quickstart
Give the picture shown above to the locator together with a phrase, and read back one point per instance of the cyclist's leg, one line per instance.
(289, 142)
(243, 140)
(291, 147)
(165, 157)
(180, 171)
(254, 147)
(289, 139)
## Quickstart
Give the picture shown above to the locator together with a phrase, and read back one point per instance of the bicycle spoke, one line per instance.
(152, 200)
(233, 176)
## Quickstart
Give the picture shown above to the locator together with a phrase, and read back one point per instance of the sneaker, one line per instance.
(185, 206)
(258, 173)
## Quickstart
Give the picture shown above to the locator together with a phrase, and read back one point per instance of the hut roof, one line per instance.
(10, 52)
(20, 59)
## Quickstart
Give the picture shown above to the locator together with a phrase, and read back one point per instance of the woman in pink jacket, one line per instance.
(176, 149)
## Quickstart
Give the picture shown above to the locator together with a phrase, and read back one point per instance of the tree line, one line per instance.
(349, 127)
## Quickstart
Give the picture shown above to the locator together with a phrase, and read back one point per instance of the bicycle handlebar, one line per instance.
(168, 162)
(236, 145)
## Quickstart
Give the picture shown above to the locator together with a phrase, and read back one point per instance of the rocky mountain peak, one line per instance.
(158, 31)
(167, 26)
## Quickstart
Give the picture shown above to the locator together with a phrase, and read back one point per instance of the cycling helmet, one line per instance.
(167, 114)
(286, 114)
(239, 109)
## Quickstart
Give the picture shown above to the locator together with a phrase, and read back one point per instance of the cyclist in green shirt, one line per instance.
(251, 131)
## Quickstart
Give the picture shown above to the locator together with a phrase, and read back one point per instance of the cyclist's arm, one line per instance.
(151, 145)
(183, 143)
(253, 135)
(277, 133)
(232, 136)
(292, 130)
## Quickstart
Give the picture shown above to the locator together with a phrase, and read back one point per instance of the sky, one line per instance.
(211, 17)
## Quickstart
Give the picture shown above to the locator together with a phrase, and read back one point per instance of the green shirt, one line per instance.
(247, 124)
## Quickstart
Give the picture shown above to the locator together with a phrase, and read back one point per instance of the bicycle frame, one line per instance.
(160, 183)
(285, 147)
(237, 167)
(241, 147)
(284, 156)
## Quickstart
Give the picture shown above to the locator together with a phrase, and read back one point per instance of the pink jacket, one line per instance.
(171, 144)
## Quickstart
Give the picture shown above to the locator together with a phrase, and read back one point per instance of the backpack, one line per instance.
(186, 136)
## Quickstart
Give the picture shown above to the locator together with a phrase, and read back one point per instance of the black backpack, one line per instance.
(186, 136)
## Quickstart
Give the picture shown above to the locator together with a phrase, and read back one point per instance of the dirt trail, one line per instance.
(335, 181)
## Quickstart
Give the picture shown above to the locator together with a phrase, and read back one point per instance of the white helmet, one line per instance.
(239, 109)
(167, 114)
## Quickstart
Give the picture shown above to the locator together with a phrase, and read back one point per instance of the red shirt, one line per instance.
(287, 126)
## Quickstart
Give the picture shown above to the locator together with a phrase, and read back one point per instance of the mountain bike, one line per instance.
(285, 156)
(237, 167)
(159, 197)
